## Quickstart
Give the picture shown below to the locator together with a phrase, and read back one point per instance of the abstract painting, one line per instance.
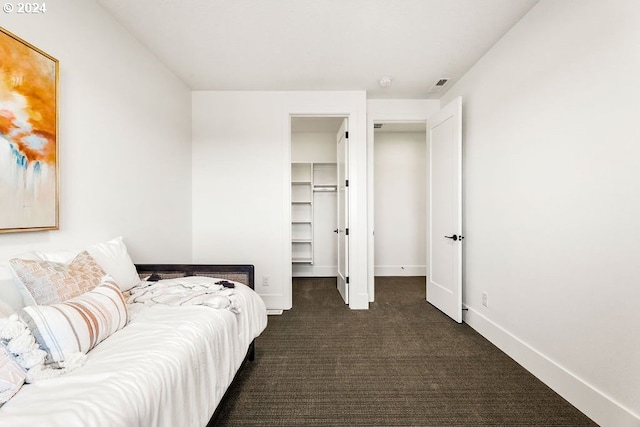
(28, 137)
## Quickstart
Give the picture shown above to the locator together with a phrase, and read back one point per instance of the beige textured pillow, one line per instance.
(53, 282)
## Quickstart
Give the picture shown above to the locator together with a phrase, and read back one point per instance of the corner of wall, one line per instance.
(594, 403)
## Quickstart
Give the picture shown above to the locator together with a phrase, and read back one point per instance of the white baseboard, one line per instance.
(359, 301)
(592, 402)
(274, 301)
(301, 270)
(400, 270)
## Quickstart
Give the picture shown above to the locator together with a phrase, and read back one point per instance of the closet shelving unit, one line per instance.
(307, 178)
(302, 213)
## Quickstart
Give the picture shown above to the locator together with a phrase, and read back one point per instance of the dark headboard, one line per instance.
(237, 273)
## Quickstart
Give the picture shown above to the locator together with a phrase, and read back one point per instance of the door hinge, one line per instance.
(347, 280)
(346, 135)
(347, 231)
(346, 183)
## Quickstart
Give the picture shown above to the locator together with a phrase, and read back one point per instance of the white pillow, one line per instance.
(63, 256)
(9, 286)
(116, 262)
(10, 291)
(112, 256)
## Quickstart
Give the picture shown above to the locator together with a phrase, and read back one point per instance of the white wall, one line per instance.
(241, 182)
(552, 200)
(124, 135)
(313, 147)
(400, 203)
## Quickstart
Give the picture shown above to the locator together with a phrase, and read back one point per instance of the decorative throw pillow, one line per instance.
(79, 324)
(17, 340)
(12, 291)
(112, 256)
(53, 282)
(12, 376)
(115, 260)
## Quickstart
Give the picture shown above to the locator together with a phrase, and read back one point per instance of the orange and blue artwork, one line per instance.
(28, 137)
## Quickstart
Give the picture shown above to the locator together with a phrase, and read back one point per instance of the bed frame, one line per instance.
(242, 273)
(238, 273)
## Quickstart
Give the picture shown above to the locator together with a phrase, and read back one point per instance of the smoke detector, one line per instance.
(385, 81)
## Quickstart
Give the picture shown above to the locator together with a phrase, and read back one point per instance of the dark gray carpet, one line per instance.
(401, 363)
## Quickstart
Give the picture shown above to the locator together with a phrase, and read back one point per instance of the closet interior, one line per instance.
(314, 196)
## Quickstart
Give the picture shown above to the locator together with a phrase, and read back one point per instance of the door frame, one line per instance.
(410, 112)
(358, 298)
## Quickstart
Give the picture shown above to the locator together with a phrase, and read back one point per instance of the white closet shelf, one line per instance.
(308, 180)
(325, 188)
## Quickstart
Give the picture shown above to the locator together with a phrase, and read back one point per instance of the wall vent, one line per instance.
(438, 86)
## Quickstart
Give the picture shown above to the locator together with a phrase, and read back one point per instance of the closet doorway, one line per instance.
(400, 199)
(314, 196)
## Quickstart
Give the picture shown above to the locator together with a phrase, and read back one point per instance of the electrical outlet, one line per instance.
(265, 280)
(485, 298)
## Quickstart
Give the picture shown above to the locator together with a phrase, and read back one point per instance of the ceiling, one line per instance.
(319, 44)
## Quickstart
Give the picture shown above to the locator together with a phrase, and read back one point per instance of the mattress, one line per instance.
(170, 366)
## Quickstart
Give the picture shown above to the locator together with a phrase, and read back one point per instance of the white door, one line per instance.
(444, 275)
(343, 211)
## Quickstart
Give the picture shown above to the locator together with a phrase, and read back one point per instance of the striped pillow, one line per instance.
(79, 324)
(53, 282)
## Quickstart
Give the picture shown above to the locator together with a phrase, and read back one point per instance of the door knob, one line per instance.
(454, 237)
(337, 230)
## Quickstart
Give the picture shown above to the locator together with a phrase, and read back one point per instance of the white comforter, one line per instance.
(170, 366)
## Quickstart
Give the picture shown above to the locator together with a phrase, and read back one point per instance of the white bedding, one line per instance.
(170, 366)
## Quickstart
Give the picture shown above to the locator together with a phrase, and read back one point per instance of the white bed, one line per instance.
(170, 366)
